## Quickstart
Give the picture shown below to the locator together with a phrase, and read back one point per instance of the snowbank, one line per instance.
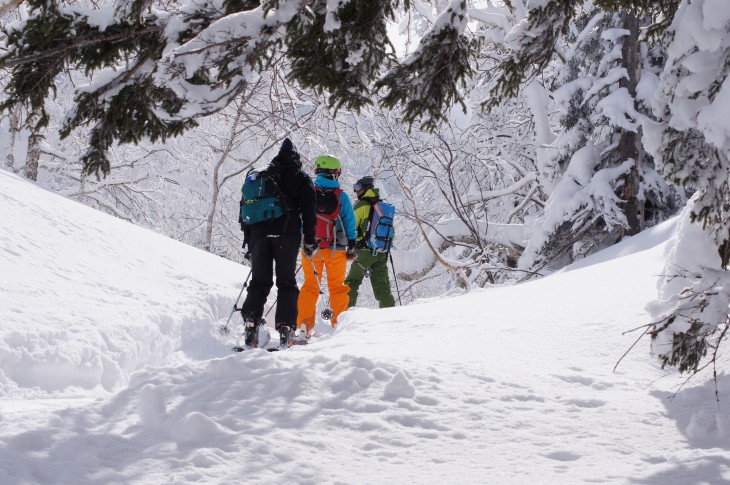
(87, 299)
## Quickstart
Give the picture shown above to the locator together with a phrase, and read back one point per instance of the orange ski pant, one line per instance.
(335, 264)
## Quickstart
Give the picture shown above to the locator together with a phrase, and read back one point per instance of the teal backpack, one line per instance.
(262, 199)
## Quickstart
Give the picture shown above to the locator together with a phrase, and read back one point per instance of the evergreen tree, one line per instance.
(443, 55)
(692, 146)
(602, 184)
(533, 41)
(155, 70)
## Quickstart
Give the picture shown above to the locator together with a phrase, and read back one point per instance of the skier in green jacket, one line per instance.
(366, 261)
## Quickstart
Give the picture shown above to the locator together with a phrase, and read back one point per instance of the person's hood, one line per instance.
(288, 156)
(325, 182)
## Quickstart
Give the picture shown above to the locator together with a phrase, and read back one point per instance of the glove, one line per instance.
(247, 257)
(308, 249)
(351, 252)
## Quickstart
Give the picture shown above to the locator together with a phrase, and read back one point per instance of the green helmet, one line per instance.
(327, 164)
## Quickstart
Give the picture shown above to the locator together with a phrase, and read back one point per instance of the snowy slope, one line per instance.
(122, 297)
(113, 372)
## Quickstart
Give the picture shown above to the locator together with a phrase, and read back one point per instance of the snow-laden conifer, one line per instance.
(692, 146)
(601, 182)
(157, 66)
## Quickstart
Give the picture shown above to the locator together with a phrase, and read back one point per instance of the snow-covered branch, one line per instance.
(479, 197)
(415, 264)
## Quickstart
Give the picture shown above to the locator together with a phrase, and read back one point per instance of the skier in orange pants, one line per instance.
(336, 268)
(335, 241)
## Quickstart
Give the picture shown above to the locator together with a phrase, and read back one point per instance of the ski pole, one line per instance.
(277, 296)
(395, 278)
(366, 271)
(224, 330)
(327, 312)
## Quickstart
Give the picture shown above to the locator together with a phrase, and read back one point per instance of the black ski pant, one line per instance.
(269, 253)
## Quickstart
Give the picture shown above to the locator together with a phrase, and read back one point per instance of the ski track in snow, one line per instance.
(503, 385)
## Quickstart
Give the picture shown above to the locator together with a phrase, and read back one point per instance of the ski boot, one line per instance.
(286, 336)
(251, 334)
(302, 335)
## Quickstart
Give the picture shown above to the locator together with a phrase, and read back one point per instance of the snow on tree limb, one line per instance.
(415, 264)
(7, 6)
(478, 197)
(436, 70)
(156, 70)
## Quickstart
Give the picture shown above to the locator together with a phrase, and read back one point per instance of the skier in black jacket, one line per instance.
(275, 244)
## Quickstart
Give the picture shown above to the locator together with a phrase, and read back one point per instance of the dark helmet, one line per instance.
(363, 184)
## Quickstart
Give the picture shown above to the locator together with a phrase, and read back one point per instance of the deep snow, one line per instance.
(112, 371)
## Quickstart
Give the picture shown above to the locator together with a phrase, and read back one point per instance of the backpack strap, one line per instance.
(240, 204)
(274, 178)
(374, 208)
(338, 219)
(286, 206)
(364, 237)
(336, 191)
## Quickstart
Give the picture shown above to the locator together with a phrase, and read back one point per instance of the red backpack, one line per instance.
(327, 202)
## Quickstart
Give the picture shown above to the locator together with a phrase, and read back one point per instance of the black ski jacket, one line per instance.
(300, 199)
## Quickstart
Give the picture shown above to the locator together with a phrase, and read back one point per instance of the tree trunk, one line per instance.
(630, 142)
(13, 132)
(225, 152)
(724, 251)
(30, 170)
(210, 217)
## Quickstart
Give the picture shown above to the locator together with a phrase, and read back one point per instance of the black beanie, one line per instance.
(287, 147)
(288, 153)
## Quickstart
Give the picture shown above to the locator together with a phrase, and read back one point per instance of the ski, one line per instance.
(263, 340)
(295, 342)
(302, 339)
(243, 349)
(239, 348)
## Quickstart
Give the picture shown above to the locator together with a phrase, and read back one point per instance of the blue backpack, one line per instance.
(381, 231)
(262, 199)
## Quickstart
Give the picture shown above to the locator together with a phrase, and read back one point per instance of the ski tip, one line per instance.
(242, 349)
(276, 349)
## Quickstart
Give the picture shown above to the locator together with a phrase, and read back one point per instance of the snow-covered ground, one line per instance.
(112, 371)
